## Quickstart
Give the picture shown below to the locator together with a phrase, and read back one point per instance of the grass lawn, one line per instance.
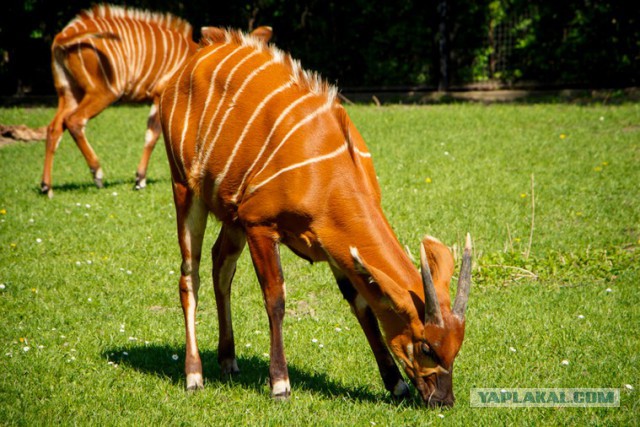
(92, 330)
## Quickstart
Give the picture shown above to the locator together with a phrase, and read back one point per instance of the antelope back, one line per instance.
(128, 52)
(243, 116)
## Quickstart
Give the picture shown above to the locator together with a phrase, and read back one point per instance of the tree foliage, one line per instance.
(378, 43)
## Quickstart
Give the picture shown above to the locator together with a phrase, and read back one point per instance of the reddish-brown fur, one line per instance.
(111, 53)
(268, 149)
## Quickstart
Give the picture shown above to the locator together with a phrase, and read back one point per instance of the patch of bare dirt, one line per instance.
(10, 134)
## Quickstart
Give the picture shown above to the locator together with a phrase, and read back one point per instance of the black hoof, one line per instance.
(141, 182)
(194, 388)
(45, 190)
(281, 397)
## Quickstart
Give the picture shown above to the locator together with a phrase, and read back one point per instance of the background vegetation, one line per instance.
(375, 42)
(92, 330)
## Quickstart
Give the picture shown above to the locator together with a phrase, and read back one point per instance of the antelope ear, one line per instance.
(440, 261)
(212, 35)
(391, 294)
(263, 33)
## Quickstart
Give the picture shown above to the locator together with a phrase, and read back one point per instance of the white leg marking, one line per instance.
(98, 174)
(148, 137)
(194, 381)
(281, 387)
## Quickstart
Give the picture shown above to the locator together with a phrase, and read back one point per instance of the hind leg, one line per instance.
(150, 139)
(66, 104)
(225, 253)
(90, 106)
(263, 245)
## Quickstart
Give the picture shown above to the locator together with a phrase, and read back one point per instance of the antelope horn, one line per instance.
(464, 282)
(432, 312)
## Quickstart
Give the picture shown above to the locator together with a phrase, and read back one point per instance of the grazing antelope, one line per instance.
(110, 53)
(267, 148)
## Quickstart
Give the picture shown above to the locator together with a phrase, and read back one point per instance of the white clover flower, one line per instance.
(628, 386)
(175, 357)
(580, 316)
(25, 349)
(39, 240)
(314, 340)
(511, 349)
(565, 362)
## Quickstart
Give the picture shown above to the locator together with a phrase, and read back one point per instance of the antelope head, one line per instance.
(424, 334)
(430, 360)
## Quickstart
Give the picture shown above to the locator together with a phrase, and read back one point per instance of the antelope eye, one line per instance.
(426, 350)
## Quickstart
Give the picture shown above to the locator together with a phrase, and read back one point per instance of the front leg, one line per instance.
(150, 138)
(263, 244)
(389, 371)
(192, 221)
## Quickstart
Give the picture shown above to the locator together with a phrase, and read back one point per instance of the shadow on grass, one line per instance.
(71, 187)
(157, 360)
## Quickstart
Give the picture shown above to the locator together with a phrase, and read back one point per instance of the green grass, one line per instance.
(92, 274)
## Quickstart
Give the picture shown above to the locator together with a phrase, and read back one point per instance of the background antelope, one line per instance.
(267, 148)
(110, 53)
